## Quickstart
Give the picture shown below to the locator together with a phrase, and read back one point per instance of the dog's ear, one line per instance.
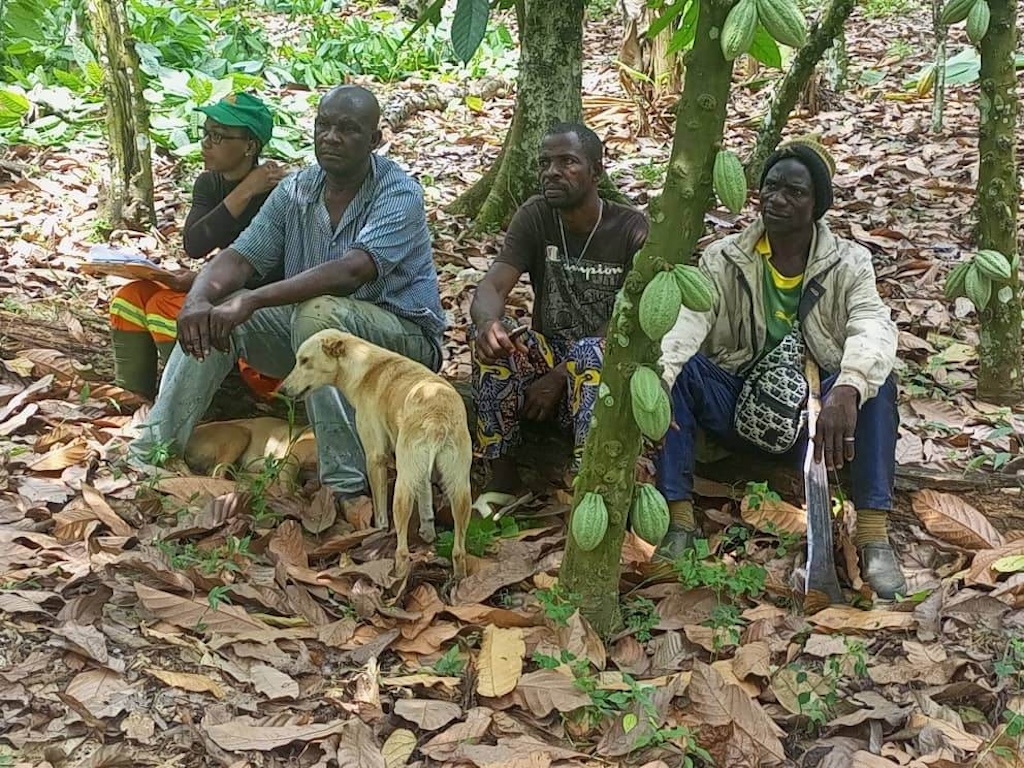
(333, 347)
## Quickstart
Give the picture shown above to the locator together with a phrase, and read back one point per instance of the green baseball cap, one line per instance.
(243, 110)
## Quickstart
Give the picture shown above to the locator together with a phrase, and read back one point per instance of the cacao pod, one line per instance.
(729, 180)
(695, 288)
(589, 521)
(977, 21)
(645, 388)
(955, 11)
(978, 288)
(648, 514)
(956, 279)
(993, 265)
(659, 305)
(739, 28)
(783, 20)
(653, 422)
(926, 81)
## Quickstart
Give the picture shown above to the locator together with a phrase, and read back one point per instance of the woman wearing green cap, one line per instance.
(225, 198)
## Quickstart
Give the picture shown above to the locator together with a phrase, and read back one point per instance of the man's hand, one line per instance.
(836, 426)
(194, 328)
(493, 342)
(264, 177)
(544, 395)
(225, 317)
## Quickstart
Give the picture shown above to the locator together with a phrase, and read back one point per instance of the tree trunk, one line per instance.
(130, 197)
(677, 221)
(548, 91)
(939, 80)
(999, 351)
(789, 88)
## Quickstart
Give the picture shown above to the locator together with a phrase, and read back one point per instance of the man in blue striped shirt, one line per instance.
(351, 235)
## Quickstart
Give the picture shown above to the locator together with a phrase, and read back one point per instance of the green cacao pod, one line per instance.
(589, 521)
(659, 305)
(739, 28)
(978, 288)
(645, 389)
(648, 514)
(653, 422)
(729, 180)
(993, 265)
(783, 20)
(695, 288)
(955, 285)
(955, 11)
(977, 21)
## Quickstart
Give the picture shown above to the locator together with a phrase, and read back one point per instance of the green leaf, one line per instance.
(13, 107)
(667, 17)
(432, 15)
(765, 49)
(475, 103)
(629, 722)
(1011, 564)
(469, 26)
(683, 37)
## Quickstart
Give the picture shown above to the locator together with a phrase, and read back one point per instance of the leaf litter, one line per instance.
(143, 624)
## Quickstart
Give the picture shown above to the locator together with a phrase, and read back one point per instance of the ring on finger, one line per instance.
(849, 439)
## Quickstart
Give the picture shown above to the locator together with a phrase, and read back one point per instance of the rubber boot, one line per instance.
(878, 562)
(134, 362)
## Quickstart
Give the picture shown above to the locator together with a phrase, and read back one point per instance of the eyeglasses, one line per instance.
(216, 137)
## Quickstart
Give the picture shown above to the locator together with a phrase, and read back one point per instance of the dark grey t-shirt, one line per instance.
(574, 296)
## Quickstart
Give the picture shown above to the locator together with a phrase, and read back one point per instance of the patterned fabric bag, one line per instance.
(770, 411)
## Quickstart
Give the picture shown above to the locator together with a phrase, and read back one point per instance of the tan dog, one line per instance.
(405, 410)
(246, 444)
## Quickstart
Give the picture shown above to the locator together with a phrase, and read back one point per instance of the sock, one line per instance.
(871, 527)
(681, 513)
(134, 361)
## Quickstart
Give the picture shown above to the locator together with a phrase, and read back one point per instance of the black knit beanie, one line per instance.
(818, 162)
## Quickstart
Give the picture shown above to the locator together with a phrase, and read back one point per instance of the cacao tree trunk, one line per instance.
(939, 81)
(999, 351)
(130, 196)
(787, 91)
(548, 91)
(676, 222)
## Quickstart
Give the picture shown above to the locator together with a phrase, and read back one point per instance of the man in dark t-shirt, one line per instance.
(577, 249)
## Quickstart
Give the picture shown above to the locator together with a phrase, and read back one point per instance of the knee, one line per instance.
(319, 313)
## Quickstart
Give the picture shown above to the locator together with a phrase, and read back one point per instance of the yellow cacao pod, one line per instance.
(652, 421)
(977, 21)
(695, 288)
(954, 285)
(926, 81)
(783, 20)
(978, 288)
(993, 265)
(589, 521)
(739, 28)
(955, 11)
(729, 180)
(659, 305)
(648, 514)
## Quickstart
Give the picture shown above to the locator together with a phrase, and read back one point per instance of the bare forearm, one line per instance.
(337, 278)
(488, 305)
(225, 274)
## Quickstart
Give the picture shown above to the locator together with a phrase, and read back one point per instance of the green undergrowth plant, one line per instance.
(481, 536)
(230, 557)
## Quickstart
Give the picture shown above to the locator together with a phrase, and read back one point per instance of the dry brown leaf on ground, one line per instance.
(321, 512)
(982, 570)
(446, 743)
(273, 683)
(398, 748)
(846, 618)
(105, 512)
(421, 678)
(752, 659)
(357, 747)
(187, 681)
(430, 640)
(951, 518)
(287, 544)
(774, 516)
(713, 701)
(548, 689)
(244, 734)
(195, 615)
(512, 752)
(102, 692)
(499, 663)
(428, 714)
(799, 690)
(62, 457)
(89, 642)
(477, 613)
(195, 488)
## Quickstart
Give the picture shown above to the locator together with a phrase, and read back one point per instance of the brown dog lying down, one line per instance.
(404, 409)
(246, 444)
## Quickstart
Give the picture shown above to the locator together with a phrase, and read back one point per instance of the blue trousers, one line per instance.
(705, 396)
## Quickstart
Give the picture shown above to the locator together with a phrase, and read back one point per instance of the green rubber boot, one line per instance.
(134, 362)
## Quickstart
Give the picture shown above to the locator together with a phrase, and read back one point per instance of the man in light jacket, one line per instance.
(760, 275)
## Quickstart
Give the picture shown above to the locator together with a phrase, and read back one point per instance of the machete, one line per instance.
(821, 586)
